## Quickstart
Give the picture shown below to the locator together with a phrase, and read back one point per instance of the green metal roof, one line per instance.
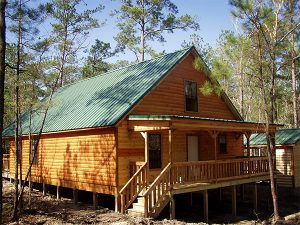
(282, 137)
(102, 100)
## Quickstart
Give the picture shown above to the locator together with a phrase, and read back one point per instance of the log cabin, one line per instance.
(287, 155)
(143, 133)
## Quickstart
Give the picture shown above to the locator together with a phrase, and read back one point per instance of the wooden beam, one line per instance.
(44, 189)
(75, 196)
(172, 208)
(205, 205)
(147, 157)
(149, 128)
(171, 154)
(180, 189)
(255, 197)
(57, 192)
(95, 200)
(117, 203)
(233, 200)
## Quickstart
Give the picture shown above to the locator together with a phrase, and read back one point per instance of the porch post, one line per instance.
(170, 154)
(172, 200)
(248, 134)
(147, 158)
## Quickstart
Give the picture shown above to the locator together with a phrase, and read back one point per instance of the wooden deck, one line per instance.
(185, 177)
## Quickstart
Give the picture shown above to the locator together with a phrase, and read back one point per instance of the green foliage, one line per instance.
(146, 20)
(95, 63)
(70, 29)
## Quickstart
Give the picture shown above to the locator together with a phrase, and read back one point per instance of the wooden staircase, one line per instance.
(150, 201)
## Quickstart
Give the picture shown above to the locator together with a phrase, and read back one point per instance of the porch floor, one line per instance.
(193, 187)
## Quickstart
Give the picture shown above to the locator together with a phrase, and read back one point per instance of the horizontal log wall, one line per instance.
(168, 97)
(297, 164)
(85, 160)
(284, 167)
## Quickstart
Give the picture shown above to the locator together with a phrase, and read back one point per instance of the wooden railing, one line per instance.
(214, 170)
(156, 194)
(133, 187)
(5, 161)
(134, 166)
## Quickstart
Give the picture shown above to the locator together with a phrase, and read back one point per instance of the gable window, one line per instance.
(191, 99)
(36, 156)
(222, 143)
(154, 151)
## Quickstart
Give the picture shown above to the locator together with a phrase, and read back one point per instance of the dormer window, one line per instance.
(191, 99)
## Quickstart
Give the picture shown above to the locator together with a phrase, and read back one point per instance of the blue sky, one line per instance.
(213, 17)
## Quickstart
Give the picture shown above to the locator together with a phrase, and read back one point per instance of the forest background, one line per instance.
(255, 60)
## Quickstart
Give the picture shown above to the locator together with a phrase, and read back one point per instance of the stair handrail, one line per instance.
(163, 176)
(128, 190)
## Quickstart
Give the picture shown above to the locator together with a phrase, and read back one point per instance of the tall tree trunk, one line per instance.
(63, 53)
(142, 50)
(17, 116)
(241, 91)
(2, 78)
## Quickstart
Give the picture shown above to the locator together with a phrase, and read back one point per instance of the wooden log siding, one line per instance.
(131, 149)
(81, 160)
(297, 164)
(168, 98)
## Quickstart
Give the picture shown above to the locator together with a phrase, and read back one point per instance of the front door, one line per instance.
(193, 148)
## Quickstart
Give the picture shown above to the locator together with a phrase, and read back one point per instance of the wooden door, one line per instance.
(193, 148)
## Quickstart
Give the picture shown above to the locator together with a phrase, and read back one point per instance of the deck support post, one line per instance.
(57, 192)
(44, 189)
(118, 203)
(255, 197)
(220, 194)
(233, 201)
(95, 200)
(172, 208)
(205, 205)
(191, 199)
(75, 196)
(242, 189)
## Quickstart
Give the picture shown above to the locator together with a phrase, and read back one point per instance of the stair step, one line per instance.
(138, 206)
(135, 212)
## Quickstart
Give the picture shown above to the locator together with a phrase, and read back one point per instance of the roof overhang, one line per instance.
(166, 122)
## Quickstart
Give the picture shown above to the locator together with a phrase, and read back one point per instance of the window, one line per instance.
(222, 143)
(154, 151)
(36, 156)
(191, 100)
(6, 147)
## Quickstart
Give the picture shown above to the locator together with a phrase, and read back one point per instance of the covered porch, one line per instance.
(218, 160)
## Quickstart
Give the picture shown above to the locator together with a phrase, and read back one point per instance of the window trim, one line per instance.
(160, 142)
(184, 93)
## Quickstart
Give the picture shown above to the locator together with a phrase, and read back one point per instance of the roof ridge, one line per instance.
(124, 67)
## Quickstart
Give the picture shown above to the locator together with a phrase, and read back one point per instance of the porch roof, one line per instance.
(165, 122)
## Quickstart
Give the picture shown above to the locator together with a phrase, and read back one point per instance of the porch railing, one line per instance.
(218, 170)
(133, 187)
(157, 192)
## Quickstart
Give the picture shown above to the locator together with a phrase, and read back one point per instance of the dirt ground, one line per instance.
(46, 210)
